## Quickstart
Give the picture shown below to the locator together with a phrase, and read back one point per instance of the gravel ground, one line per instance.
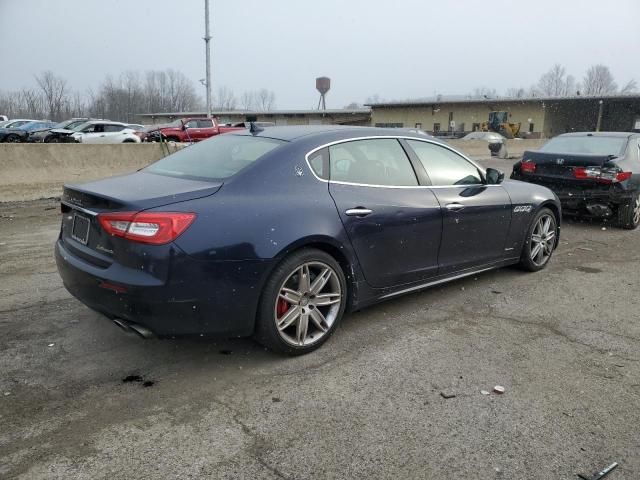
(80, 399)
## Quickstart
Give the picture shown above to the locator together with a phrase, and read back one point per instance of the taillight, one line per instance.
(600, 175)
(528, 166)
(154, 228)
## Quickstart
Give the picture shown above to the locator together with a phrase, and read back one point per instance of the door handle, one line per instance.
(454, 207)
(358, 212)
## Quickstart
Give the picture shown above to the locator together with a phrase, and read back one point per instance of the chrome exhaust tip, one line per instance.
(134, 328)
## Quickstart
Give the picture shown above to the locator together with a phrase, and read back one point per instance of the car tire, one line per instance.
(302, 303)
(12, 139)
(51, 139)
(540, 241)
(128, 140)
(172, 139)
(629, 213)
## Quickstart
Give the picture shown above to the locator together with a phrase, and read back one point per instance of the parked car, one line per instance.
(188, 130)
(21, 133)
(277, 233)
(48, 136)
(593, 174)
(4, 118)
(104, 131)
(495, 141)
(17, 122)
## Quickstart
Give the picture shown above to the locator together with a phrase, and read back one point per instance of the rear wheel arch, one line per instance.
(327, 245)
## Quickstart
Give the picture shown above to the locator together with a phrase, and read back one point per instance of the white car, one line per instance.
(101, 131)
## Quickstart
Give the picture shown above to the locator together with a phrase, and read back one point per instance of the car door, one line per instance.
(393, 224)
(192, 131)
(475, 216)
(113, 133)
(92, 133)
(206, 128)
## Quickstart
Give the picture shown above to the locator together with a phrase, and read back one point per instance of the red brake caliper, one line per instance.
(282, 307)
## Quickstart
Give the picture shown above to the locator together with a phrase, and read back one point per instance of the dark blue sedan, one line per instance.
(277, 232)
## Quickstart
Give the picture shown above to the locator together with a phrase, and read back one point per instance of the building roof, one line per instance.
(455, 99)
(337, 111)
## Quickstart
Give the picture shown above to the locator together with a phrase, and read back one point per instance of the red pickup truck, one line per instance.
(189, 130)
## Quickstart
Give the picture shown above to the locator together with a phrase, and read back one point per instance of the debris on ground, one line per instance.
(586, 249)
(484, 392)
(51, 345)
(498, 389)
(447, 394)
(604, 228)
(601, 474)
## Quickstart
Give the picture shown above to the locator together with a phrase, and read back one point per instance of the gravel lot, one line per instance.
(81, 399)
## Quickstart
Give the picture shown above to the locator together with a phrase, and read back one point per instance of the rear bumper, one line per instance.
(200, 298)
(587, 200)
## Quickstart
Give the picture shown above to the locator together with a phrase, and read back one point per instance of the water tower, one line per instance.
(323, 84)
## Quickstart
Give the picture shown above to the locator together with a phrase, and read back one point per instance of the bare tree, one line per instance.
(373, 99)
(265, 99)
(225, 99)
(629, 88)
(484, 92)
(248, 100)
(556, 83)
(516, 92)
(599, 81)
(353, 106)
(54, 90)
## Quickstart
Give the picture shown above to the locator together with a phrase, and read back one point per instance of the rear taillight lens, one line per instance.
(601, 175)
(154, 228)
(528, 166)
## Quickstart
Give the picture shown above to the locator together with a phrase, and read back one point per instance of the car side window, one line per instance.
(113, 128)
(444, 166)
(371, 162)
(319, 163)
(192, 124)
(207, 123)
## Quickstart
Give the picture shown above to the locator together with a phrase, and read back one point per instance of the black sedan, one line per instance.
(593, 174)
(277, 232)
(21, 133)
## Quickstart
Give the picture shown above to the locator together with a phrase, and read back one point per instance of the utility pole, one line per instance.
(207, 40)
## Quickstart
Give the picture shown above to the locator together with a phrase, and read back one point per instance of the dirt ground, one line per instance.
(81, 399)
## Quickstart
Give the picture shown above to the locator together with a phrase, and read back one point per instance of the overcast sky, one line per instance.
(397, 49)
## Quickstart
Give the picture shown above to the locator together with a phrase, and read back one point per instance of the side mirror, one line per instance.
(494, 177)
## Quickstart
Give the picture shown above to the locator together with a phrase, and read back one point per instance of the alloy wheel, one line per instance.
(308, 304)
(543, 240)
(636, 211)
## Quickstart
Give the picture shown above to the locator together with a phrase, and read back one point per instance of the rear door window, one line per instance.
(444, 166)
(192, 124)
(206, 123)
(371, 162)
(113, 128)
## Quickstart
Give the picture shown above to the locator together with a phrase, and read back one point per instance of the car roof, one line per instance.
(599, 134)
(291, 133)
(105, 122)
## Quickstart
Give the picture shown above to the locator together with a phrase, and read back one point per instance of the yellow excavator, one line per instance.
(499, 123)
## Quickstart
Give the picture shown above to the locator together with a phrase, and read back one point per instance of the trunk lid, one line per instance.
(558, 168)
(81, 230)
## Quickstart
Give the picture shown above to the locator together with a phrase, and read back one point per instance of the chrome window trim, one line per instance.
(394, 137)
(76, 207)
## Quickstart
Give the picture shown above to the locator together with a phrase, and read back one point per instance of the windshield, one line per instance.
(218, 158)
(586, 145)
(78, 128)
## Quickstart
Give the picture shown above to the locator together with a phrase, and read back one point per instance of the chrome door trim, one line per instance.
(394, 137)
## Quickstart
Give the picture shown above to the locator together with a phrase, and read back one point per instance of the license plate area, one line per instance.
(80, 228)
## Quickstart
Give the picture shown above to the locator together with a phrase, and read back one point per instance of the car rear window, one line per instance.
(586, 145)
(217, 158)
